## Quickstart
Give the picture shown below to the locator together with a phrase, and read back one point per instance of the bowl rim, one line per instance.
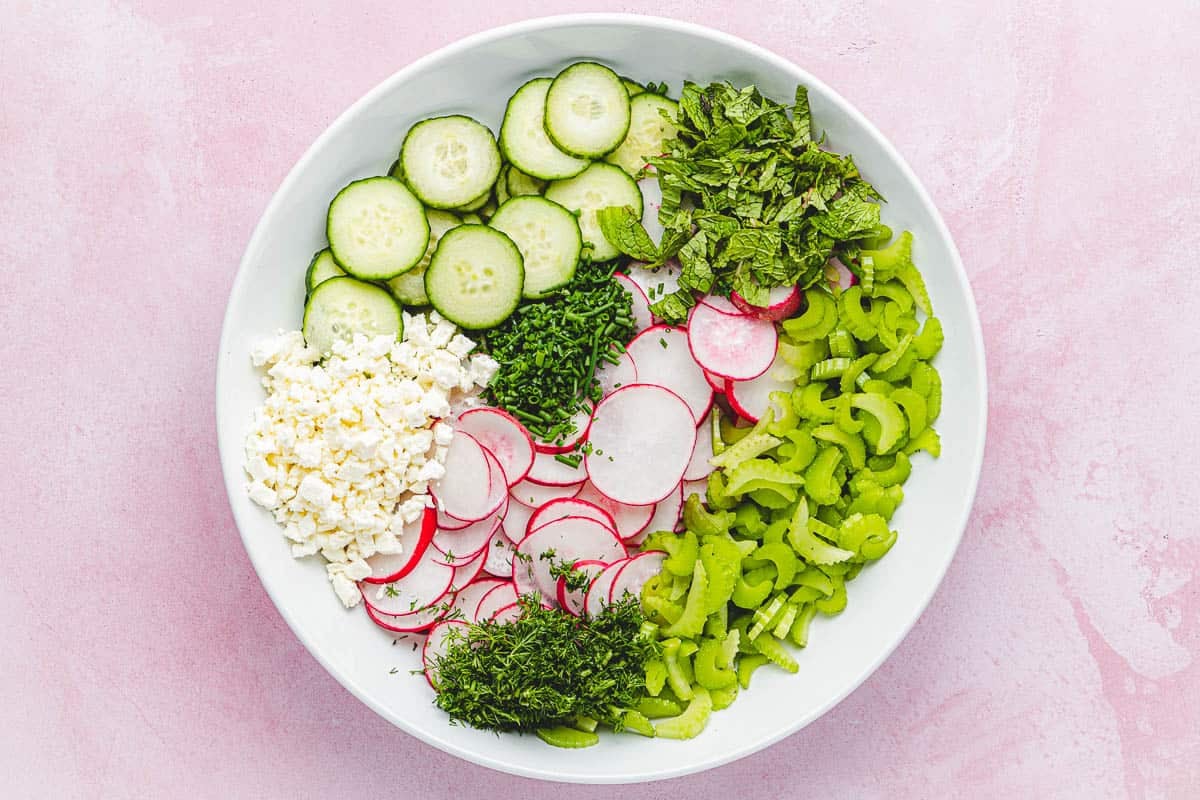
(233, 482)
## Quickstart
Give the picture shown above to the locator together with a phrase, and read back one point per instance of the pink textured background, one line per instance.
(140, 142)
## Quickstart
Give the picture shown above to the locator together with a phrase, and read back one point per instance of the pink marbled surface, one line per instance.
(140, 142)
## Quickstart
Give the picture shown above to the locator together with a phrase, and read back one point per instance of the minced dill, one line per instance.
(545, 668)
(549, 350)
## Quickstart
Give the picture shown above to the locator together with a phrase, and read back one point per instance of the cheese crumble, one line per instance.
(343, 451)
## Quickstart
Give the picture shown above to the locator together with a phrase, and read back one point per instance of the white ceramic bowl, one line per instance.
(476, 76)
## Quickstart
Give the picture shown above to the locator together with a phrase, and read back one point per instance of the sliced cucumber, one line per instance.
(471, 218)
(449, 161)
(477, 203)
(648, 131)
(547, 236)
(320, 269)
(409, 288)
(523, 138)
(488, 209)
(475, 277)
(587, 110)
(376, 229)
(502, 193)
(341, 307)
(599, 186)
(633, 87)
(518, 183)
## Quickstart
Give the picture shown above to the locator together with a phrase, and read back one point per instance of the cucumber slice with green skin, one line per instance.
(320, 269)
(488, 210)
(472, 218)
(633, 87)
(477, 203)
(409, 288)
(475, 277)
(599, 186)
(587, 110)
(547, 236)
(502, 193)
(376, 229)
(450, 161)
(518, 183)
(648, 132)
(523, 138)
(339, 308)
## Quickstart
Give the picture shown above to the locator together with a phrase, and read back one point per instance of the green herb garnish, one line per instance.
(545, 668)
(549, 350)
(750, 199)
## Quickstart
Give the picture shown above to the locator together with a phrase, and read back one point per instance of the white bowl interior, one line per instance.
(476, 77)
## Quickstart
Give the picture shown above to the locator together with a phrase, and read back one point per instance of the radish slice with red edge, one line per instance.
(663, 358)
(510, 613)
(655, 283)
(467, 599)
(502, 596)
(639, 304)
(715, 381)
(667, 513)
(501, 434)
(699, 467)
(516, 521)
(750, 399)
(468, 490)
(633, 576)
(460, 545)
(445, 522)
(573, 507)
(782, 302)
(416, 622)
(532, 495)
(629, 520)
(498, 561)
(567, 441)
(737, 347)
(549, 471)
(414, 539)
(722, 304)
(597, 596)
(427, 584)
(437, 643)
(846, 278)
(613, 376)
(466, 573)
(699, 487)
(564, 540)
(642, 440)
(572, 600)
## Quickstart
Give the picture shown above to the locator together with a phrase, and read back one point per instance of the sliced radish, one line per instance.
(663, 358)
(666, 516)
(516, 521)
(436, 645)
(468, 491)
(699, 487)
(597, 596)
(715, 381)
(498, 561)
(425, 586)
(699, 467)
(549, 471)
(655, 283)
(502, 596)
(640, 305)
(739, 347)
(506, 438)
(613, 376)
(718, 303)
(467, 599)
(629, 520)
(567, 442)
(459, 546)
(414, 539)
(642, 439)
(846, 278)
(533, 495)
(750, 399)
(782, 302)
(466, 572)
(573, 507)
(651, 203)
(568, 539)
(445, 522)
(633, 576)
(572, 599)
(510, 613)
(416, 622)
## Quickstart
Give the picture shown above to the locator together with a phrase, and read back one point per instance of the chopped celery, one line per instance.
(746, 666)
(688, 724)
(658, 707)
(562, 736)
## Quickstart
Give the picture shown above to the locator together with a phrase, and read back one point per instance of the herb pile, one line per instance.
(750, 200)
(548, 351)
(545, 668)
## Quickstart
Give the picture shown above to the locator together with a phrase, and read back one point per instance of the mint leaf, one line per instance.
(625, 232)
